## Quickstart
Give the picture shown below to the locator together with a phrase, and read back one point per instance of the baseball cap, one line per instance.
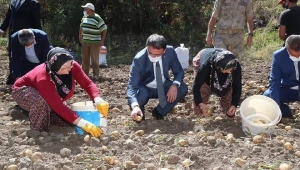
(281, 2)
(89, 6)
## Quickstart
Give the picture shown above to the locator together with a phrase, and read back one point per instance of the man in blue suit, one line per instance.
(149, 78)
(284, 76)
(29, 49)
(21, 14)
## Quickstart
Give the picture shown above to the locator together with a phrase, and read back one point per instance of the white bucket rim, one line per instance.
(263, 98)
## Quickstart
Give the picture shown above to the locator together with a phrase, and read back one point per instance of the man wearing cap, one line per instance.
(21, 14)
(29, 49)
(92, 34)
(229, 31)
(289, 20)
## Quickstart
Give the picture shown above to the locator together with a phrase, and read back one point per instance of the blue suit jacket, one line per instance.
(283, 73)
(142, 71)
(20, 64)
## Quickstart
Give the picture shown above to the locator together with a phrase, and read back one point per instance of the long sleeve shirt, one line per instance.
(204, 76)
(39, 79)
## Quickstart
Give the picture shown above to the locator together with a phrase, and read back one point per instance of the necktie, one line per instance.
(299, 80)
(160, 87)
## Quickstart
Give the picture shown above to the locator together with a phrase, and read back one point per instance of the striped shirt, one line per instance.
(92, 26)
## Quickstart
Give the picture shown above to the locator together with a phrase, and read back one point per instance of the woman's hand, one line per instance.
(204, 109)
(231, 111)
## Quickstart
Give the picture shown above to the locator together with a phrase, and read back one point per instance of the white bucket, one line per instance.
(259, 114)
(87, 111)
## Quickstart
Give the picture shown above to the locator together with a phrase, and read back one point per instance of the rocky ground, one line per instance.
(181, 141)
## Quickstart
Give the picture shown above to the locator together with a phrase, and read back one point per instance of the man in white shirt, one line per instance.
(149, 78)
(29, 49)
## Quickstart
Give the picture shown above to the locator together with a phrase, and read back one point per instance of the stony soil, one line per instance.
(181, 141)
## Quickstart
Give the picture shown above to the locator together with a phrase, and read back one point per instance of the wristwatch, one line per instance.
(251, 34)
(177, 85)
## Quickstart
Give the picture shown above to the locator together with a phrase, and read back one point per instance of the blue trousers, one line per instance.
(145, 93)
(286, 95)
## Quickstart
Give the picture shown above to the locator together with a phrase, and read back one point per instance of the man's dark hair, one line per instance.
(156, 41)
(25, 36)
(293, 42)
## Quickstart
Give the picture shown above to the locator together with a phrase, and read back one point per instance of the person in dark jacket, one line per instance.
(21, 14)
(29, 49)
(216, 71)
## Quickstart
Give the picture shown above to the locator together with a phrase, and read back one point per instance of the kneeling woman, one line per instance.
(216, 71)
(43, 91)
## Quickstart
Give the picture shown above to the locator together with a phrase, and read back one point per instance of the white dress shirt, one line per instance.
(30, 54)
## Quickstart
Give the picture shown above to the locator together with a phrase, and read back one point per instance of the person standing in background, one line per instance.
(92, 34)
(229, 31)
(21, 14)
(289, 19)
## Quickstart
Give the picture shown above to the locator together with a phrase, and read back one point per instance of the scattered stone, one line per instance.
(65, 167)
(95, 142)
(211, 140)
(245, 157)
(44, 134)
(137, 158)
(182, 142)
(78, 158)
(12, 167)
(111, 160)
(139, 133)
(86, 138)
(287, 128)
(281, 126)
(105, 140)
(187, 163)
(258, 139)
(36, 156)
(65, 152)
(288, 146)
(173, 159)
(297, 154)
(130, 143)
(130, 165)
(256, 149)
(115, 134)
(156, 131)
(32, 133)
(104, 148)
(239, 162)
(115, 110)
(27, 153)
(141, 167)
(284, 166)
(25, 162)
(170, 140)
(218, 118)
(191, 133)
(217, 168)
(220, 142)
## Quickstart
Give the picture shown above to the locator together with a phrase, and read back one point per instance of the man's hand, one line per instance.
(172, 94)
(231, 111)
(101, 43)
(135, 112)
(209, 39)
(249, 40)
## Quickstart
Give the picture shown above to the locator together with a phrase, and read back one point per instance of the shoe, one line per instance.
(156, 114)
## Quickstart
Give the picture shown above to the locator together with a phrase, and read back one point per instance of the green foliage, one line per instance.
(265, 42)
(3, 43)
